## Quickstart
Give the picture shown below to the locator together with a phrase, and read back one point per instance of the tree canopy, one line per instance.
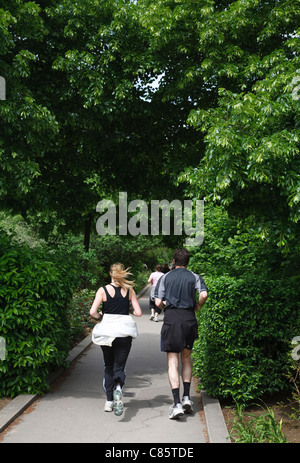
(79, 108)
(84, 118)
(250, 161)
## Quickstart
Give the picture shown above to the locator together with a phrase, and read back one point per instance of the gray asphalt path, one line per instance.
(74, 411)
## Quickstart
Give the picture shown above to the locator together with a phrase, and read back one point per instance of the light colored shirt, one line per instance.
(154, 277)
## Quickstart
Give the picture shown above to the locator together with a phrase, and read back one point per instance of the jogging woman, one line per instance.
(115, 332)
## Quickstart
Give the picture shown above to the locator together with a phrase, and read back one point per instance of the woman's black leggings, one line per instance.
(115, 358)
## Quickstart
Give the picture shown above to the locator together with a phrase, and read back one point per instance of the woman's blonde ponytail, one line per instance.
(120, 275)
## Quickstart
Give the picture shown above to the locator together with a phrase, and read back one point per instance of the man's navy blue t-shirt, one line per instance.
(178, 288)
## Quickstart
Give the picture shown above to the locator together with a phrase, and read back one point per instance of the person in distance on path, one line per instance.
(153, 279)
(176, 293)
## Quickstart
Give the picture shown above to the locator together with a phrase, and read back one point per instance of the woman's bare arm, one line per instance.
(96, 304)
(137, 311)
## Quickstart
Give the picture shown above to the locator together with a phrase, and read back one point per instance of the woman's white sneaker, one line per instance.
(118, 404)
(109, 406)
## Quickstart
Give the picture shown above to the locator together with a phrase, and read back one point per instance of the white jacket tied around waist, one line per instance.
(113, 326)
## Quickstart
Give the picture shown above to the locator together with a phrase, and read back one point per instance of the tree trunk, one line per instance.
(87, 233)
(86, 242)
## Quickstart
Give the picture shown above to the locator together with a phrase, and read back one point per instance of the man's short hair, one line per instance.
(181, 257)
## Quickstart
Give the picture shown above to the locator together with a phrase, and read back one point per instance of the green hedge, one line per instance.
(35, 288)
(245, 333)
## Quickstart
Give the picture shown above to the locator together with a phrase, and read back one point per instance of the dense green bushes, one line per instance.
(252, 314)
(246, 329)
(35, 287)
(138, 252)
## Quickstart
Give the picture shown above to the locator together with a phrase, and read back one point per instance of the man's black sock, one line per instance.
(175, 393)
(186, 389)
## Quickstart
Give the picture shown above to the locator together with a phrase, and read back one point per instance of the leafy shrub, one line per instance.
(92, 272)
(132, 251)
(245, 333)
(135, 252)
(35, 287)
(248, 428)
(252, 312)
(78, 311)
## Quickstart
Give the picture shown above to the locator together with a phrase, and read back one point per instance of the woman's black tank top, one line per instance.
(117, 304)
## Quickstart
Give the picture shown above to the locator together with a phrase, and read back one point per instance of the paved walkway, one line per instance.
(73, 411)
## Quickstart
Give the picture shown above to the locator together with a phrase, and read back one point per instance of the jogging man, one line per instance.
(176, 293)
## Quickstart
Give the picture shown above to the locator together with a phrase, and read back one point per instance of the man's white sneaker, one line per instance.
(109, 406)
(176, 411)
(187, 405)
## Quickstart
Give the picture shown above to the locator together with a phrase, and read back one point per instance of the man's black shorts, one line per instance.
(179, 330)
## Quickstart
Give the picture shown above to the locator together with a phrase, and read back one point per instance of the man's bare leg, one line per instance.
(186, 366)
(186, 379)
(174, 379)
(173, 364)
